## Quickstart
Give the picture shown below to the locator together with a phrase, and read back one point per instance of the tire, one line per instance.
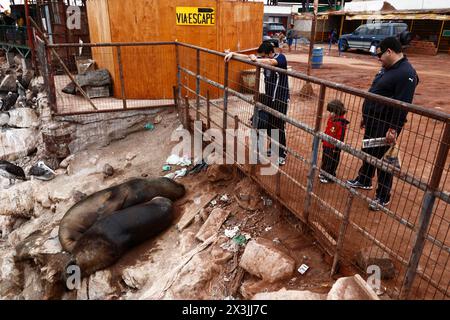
(343, 45)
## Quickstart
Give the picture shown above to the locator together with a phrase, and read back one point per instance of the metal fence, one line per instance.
(413, 230)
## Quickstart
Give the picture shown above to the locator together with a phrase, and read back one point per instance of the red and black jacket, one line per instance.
(336, 127)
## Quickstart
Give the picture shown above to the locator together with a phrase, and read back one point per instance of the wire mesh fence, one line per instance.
(321, 170)
(323, 154)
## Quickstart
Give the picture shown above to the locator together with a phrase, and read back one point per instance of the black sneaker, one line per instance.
(356, 184)
(377, 203)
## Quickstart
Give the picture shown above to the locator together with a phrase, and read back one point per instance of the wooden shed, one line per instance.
(150, 72)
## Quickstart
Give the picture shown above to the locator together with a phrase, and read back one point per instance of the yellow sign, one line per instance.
(194, 16)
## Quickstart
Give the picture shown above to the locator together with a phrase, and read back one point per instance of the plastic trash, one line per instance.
(149, 126)
(231, 233)
(224, 198)
(303, 268)
(166, 168)
(178, 161)
(240, 239)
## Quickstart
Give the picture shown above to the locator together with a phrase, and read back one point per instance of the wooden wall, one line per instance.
(150, 72)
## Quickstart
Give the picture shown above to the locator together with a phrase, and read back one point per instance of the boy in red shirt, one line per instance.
(336, 127)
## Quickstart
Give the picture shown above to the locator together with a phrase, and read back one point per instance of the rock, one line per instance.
(19, 200)
(23, 118)
(17, 143)
(219, 172)
(33, 287)
(4, 119)
(135, 277)
(376, 256)
(65, 163)
(195, 278)
(351, 288)
(100, 285)
(6, 225)
(213, 223)
(77, 196)
(8, 270)
(130, 156)
(263, 260)
(108, 170)
(284, 294)
(70, 88)
(9, 83)
(157, 119)
(96, 78)
(93, 160)
(37, 83)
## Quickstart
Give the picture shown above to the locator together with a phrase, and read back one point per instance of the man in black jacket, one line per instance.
(397, 80)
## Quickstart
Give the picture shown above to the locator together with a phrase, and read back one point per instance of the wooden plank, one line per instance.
(150, 72)
(190, 213)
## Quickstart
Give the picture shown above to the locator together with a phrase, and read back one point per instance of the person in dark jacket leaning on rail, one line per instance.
(397, 80)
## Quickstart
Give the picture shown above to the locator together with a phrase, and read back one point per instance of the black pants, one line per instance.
(330, 160)
(367, 172)
(270, 122)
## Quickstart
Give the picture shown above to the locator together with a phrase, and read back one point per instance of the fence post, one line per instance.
(255, 116)
(186, 112)
(236, 130)
(175, 98)
(208, 111)
(426, 213)
(315, 154)
(177, 58)
(197, 88)
(342, 231)
(225, 110)
(122, 81)
(51, 80)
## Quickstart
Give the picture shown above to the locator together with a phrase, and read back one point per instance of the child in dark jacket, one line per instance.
(336, 127)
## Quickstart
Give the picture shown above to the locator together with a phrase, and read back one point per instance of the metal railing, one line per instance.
(413, 230)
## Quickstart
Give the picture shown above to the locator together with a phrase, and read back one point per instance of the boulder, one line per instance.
(376, 256)
(17, 143)
(9, 83)
(96, 78)
(284, 294)
(19, 200)
(351, 288)
(23, 118)
(262, 259)
(4, 119)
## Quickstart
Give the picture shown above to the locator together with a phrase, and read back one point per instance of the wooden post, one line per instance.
(440, 36)
(122, 79)
(426, 213)
(236, 128)
(342, 25)
(313, 36)
(342, 232)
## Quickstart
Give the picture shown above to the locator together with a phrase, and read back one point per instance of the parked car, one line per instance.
(368, 35)
(270, 31)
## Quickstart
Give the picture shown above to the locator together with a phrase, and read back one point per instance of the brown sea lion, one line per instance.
(81, 216)
(109, 238)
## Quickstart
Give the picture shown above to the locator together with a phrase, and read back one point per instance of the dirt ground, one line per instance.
(358, 68)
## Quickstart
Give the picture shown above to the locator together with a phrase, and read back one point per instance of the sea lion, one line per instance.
(81, 216)
(109, 238)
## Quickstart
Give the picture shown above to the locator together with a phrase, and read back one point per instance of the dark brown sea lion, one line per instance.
(109, 238)
(80, 217)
